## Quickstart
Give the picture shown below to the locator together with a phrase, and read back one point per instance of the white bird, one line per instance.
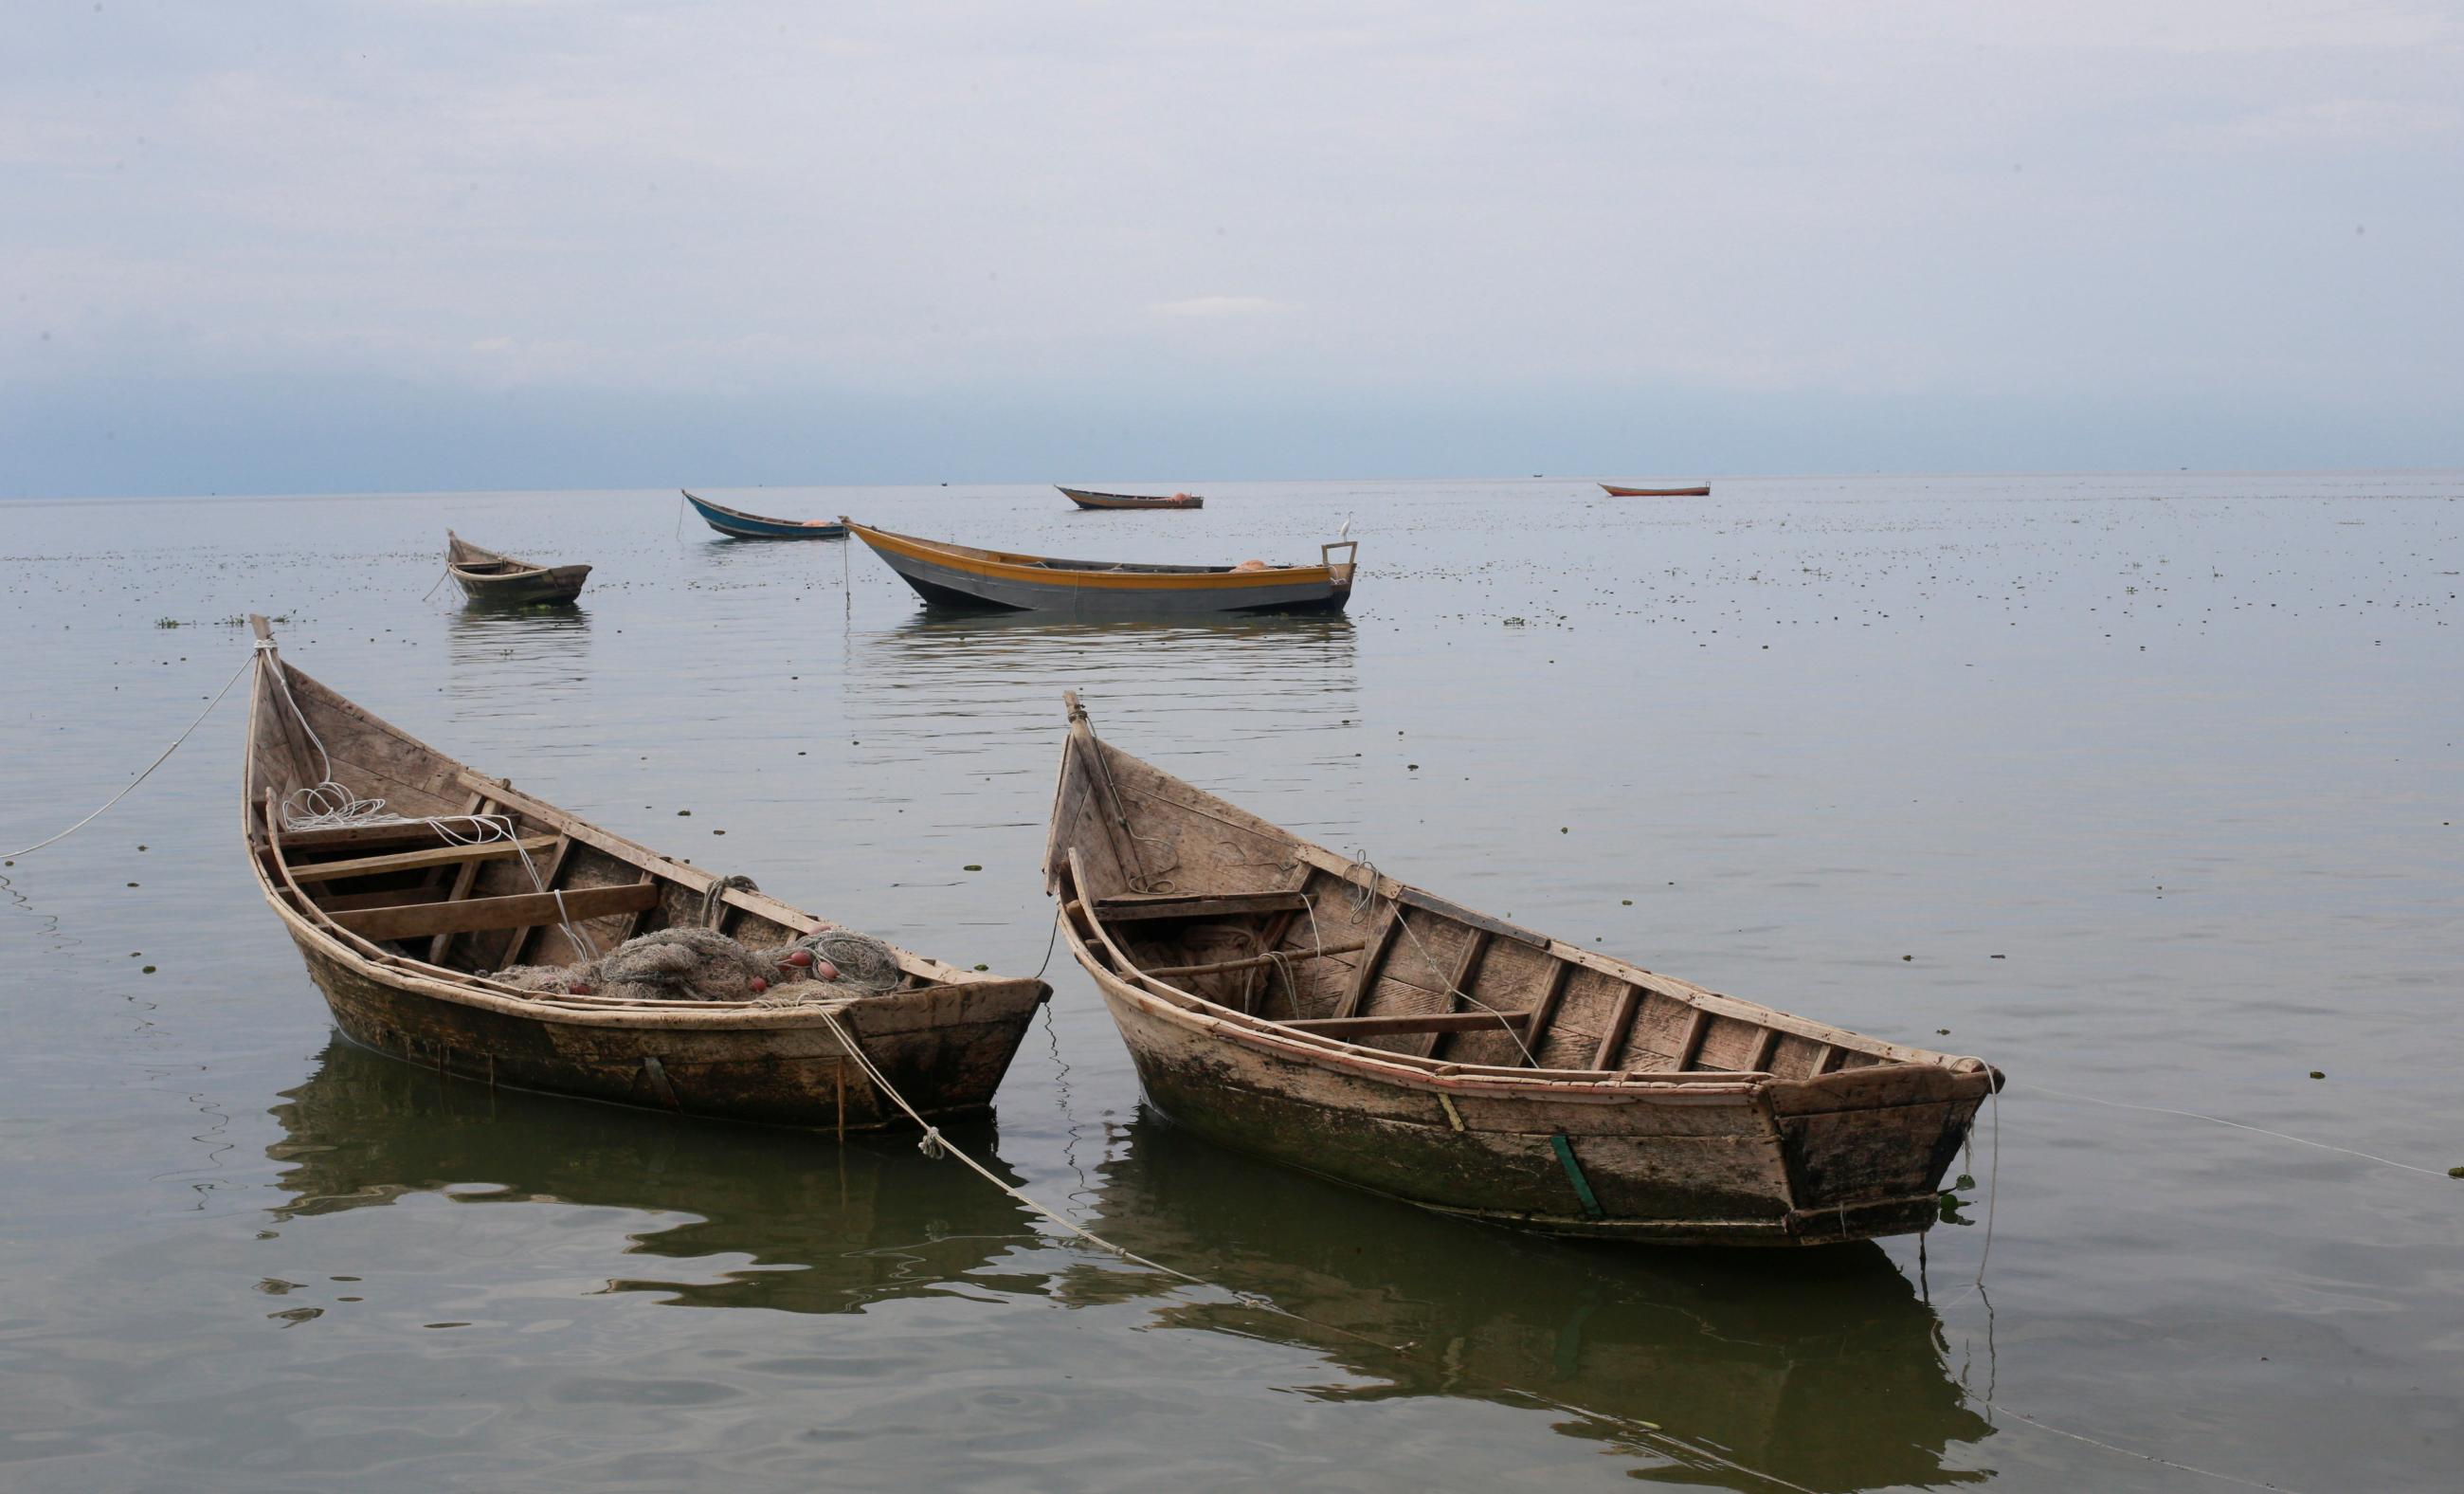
(1345, 531)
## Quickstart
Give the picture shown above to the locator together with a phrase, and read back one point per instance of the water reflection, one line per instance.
(1203, 681)
(824, 1228)
(1821, 1368)
(516, 660)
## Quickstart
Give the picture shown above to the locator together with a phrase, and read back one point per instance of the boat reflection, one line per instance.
(1196, 681)
(824, 1228)
(1821, 1368)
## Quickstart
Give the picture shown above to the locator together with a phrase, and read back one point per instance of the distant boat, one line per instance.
(737, 524)
(1614, 491)
(960, 575)
(1086, 499)
(486, 576)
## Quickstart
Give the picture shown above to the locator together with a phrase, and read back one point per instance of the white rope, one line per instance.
(1361, 899)
(328, 805)
(2126, 1452)
(150, 768)
(2215, 1119)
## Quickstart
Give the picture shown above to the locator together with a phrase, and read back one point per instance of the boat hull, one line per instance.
(945, 1048)
(1117, 501)
(736, 525)
(553, 585)
(1614, 491)
(1682, 1166)
(1096, 595)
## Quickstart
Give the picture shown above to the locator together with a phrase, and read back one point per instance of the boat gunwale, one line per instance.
(518, 570)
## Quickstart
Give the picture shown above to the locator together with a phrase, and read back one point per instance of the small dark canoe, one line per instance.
(397, 918)
(1614, 491)
(736, 524)
(1086, 499)
(1285, 1001)
(486, 576)
(960, 575)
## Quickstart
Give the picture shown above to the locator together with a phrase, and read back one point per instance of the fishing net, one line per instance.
(704, 965)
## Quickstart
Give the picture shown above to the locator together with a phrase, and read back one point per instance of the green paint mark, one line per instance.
(1565, 1151)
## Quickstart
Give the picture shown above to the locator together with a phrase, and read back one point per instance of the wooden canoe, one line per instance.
(736, 523)
(486, 576)
(960, 575)
(1086, 499)
(1284, 1000)
(397, 921)
(1614, 491)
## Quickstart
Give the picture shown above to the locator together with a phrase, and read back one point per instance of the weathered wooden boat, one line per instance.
(1086, 499)
(486, 576)
(960, 575)
(437, 876)
(736, 524)
(1282, 999)
(1614, 491)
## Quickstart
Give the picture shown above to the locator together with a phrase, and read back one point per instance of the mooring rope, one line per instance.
(936, 1146)
(150, 768)
(2217, 1120)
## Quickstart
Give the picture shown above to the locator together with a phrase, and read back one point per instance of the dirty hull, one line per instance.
(944, 1048)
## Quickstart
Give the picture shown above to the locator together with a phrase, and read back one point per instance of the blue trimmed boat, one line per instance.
(737, 524)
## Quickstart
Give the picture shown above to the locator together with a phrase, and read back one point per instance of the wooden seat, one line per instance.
(477, 915)
(1137, 906)
(1411, 1023)
(416, 860)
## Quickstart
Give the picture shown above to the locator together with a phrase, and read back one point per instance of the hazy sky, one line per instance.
(397, 244)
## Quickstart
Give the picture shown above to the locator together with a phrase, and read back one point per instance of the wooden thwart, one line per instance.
(1254, 960)
(1411, 1023)
(416, 860)
(1233, 905)
(477, 915)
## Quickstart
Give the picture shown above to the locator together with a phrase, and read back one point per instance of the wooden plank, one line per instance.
(1459, 981)
(633, 920)
(514, 942)
(1409, 1022)
(416, 860)
(1470, 916)
(1689, 1043)
(358, 837)
(1254, 961)
(479, 915)
(395, 897)
(1234, 905)
(1364, 977)
(465, 876)
(1551, 997)
(1758, 1062)
(1620, 1024)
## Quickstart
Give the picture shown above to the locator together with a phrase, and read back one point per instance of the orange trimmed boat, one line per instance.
(961, 576)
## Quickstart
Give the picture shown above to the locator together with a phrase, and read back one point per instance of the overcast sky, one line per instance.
(410, 244)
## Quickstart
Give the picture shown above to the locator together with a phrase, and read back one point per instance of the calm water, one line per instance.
(2145, 788)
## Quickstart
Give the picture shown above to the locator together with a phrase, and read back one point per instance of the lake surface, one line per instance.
(2145, 788)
